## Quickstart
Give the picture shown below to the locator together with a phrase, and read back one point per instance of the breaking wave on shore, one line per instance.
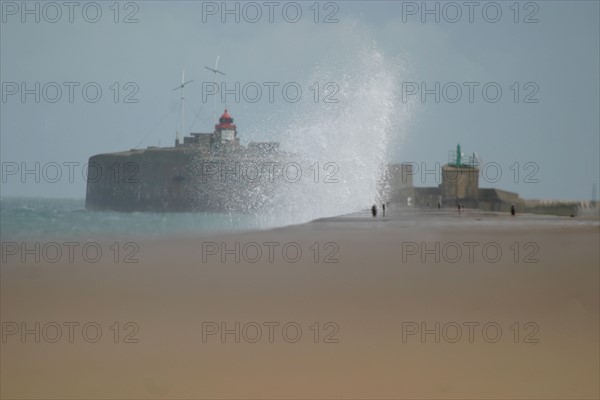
(344, 138)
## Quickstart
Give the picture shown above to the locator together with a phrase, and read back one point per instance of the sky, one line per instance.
(517, 83)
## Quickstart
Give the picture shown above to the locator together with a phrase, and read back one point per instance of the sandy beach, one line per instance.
(416, 304)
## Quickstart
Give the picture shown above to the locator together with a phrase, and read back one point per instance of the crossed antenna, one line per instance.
(182, 86)
(215, 71)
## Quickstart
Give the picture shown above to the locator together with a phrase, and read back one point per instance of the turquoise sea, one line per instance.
(37, 218)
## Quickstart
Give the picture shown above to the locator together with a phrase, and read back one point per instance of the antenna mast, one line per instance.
(183, 83)
(215, 71)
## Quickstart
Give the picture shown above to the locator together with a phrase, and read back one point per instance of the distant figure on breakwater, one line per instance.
(512, 210)
(374, 210)
(383, 206)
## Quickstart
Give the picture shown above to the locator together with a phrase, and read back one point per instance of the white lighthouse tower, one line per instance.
(225, 130)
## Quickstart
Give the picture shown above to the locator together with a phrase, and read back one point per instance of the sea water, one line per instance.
(36, 218)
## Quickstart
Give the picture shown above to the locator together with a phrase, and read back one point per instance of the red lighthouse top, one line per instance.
(225, 121)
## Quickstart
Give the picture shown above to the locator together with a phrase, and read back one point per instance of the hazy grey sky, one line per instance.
(543, 56)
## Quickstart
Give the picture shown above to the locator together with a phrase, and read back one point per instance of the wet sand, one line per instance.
(414, 305)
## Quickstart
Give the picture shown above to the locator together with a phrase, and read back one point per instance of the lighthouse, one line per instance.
(225, 130)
